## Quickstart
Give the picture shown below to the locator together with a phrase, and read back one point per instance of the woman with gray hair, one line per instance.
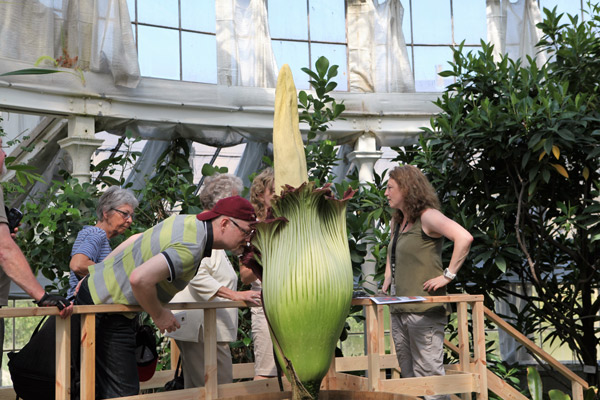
(115, 215)
(215, 279)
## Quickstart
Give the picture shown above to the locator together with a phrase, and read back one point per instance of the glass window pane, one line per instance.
(295, 54)
(572, 7)
(429, 62)
(134, 30)
(470, 22)
(328, 20)
(199, 54)
(336, 54)
(406, 29)
(159, 12)
(131, 8)
(158, 52)
(288, 19)
(198, 15)
(431, 19)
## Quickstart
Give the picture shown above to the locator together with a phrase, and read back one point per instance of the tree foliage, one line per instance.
(514, 155)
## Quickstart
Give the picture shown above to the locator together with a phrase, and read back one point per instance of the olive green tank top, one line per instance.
(418, 259)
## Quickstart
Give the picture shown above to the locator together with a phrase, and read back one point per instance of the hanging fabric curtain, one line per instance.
(94, 35)
(377, 55)
(244, 52)
(512, 29)
(245, 58)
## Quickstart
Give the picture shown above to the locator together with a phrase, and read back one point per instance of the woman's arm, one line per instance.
(436, 224)
(387, 281)
(246, 275)
(79, 264)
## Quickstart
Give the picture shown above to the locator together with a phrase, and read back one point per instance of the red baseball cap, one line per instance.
(234, 207)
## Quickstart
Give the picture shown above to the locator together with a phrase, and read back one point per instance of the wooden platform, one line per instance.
(7, 393)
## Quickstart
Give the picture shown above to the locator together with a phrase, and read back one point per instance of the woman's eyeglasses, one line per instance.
(124, 214)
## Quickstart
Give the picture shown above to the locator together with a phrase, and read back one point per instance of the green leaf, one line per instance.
(208, 170)
(556, 394)
(500, 263)
(534, 383)
(322, 66)
(310, 73)
(303, 98)
(31, 71)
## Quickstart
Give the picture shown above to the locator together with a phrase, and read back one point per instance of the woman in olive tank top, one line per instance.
(418, 231)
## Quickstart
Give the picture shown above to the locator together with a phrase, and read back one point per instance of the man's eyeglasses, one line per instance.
(124, 214)
(245, 232)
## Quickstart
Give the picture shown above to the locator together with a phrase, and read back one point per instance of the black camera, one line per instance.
(14, 217)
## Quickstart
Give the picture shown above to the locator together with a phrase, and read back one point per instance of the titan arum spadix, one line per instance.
(307, 272)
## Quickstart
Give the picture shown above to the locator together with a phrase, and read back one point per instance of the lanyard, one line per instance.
(393, 260)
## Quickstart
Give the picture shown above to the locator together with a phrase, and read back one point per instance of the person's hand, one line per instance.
(67, 311)
(49, 300)
(250, 296)
(165, 321)
(14, 234)
(436, 283)
(77, 288)
(386, 284)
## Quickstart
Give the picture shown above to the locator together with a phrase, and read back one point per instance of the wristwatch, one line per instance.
(448, 274)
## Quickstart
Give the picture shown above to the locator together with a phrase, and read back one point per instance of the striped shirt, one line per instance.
(93, 243)
(182, 239)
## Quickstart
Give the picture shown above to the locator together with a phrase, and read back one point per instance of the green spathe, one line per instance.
(307, 277)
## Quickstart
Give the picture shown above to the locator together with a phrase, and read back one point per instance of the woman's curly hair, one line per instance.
(417, 191)
(262, 182)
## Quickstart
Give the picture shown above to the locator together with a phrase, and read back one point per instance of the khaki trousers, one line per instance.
(192, 362)
(419, 342)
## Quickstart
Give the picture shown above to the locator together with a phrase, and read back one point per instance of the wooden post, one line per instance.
(381, 327)
(479, 348)
(372, 348)
(88, 356)
(210, 354)
(63, 359)
(330, 381)
(395, 371)
(577, 390)
(175, 354)
(464, 355)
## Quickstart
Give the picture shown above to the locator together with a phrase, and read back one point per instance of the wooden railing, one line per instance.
(469, 376)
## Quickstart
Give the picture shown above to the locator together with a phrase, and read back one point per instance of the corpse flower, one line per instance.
(306, 267)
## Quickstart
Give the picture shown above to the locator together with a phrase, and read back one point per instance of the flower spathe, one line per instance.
(307, 277)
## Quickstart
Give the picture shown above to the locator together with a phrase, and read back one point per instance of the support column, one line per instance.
(364, 156)
(81, 144)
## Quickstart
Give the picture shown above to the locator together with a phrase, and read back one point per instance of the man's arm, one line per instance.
(143, 282)
(15, 265)
(17, 268)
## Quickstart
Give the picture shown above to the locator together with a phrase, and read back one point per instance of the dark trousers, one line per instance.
(116, 366)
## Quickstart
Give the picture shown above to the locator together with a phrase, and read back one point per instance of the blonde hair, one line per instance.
(417, 191)
(260, 184)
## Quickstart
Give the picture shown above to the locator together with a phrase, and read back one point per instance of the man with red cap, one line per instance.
(148, 269)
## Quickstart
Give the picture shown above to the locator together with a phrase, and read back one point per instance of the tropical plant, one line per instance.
(318, 112)
(534, 383)
(514, 156)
